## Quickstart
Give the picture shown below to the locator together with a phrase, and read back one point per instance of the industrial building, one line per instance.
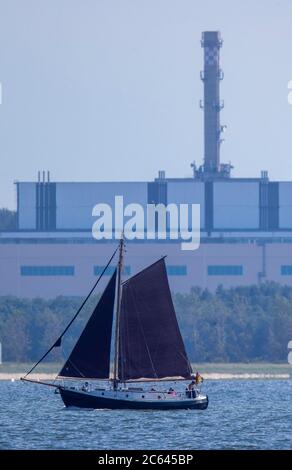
(246, 223)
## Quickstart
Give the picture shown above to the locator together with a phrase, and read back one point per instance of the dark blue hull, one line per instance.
(82, 400)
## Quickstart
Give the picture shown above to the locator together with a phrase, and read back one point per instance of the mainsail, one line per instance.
(150, 343)
(90, 357)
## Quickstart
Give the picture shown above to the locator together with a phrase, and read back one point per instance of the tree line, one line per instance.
(8, 219)
(241, 324)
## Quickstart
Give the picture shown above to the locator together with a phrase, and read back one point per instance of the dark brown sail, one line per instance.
(150, 343)
(90, 357)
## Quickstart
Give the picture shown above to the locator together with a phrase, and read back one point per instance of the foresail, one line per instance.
(90, 357)
(150, 343)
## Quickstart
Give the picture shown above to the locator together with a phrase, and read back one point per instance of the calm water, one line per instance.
(241, 415)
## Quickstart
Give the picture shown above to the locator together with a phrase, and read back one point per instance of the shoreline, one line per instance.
(210, 371)
(10, 376)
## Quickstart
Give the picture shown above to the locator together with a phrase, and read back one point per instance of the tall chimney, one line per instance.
(211, 76)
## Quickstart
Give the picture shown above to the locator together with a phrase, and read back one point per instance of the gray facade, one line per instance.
(225, 204)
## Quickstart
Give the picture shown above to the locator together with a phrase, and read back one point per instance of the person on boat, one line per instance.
(191, 385)
(85, 387)
(191, 388)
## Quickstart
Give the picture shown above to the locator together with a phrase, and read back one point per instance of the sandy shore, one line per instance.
(208, 376)
(229, 376)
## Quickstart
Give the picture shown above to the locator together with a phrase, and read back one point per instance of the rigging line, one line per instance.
(76, 368)
(188, 364)
(62, 356)
(39, 382)
(185, 357)
(58, 341)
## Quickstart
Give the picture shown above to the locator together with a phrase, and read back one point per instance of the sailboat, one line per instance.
(145, 342)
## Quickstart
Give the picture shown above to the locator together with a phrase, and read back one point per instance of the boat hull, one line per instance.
(86, 400)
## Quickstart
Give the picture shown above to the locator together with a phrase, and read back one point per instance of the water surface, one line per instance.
(242, 414)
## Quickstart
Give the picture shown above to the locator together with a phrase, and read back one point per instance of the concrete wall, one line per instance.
(75, 201)
(285, 205)
(236, 205)
(188, 193)
(188, 268)
(27, 206)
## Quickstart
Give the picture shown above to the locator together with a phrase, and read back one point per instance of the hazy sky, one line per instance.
(109, 89)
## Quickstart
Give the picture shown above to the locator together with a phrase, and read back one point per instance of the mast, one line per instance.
(119, 298)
